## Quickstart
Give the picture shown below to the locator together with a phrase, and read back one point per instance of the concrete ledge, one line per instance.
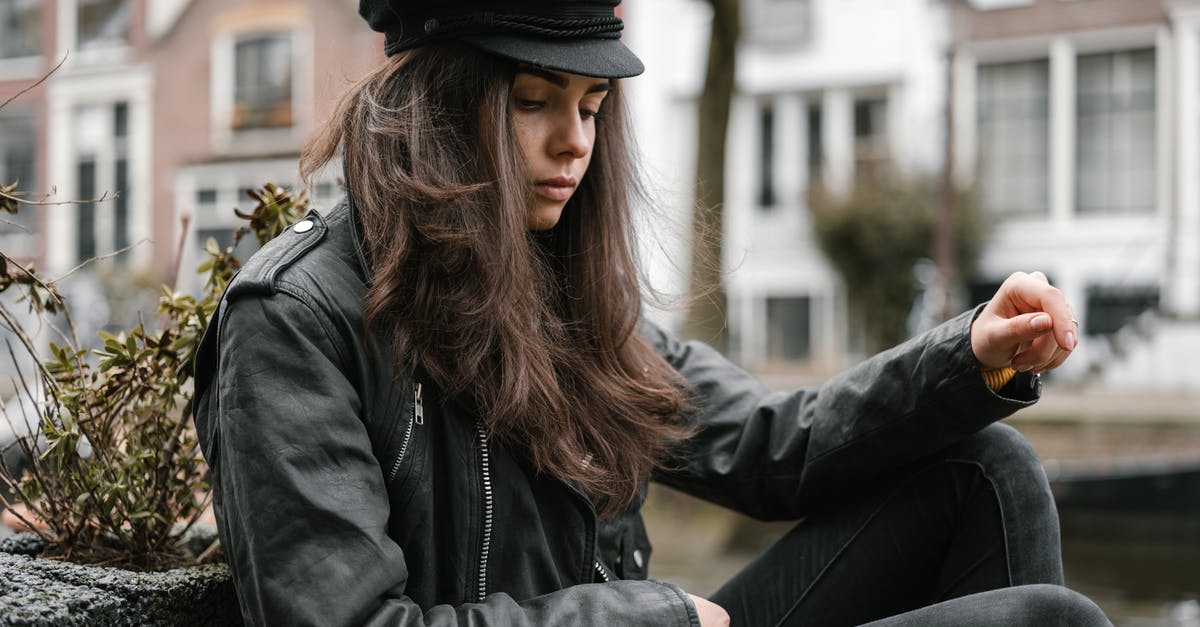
(49, 592)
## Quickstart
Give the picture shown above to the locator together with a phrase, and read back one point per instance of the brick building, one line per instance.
(171, 106)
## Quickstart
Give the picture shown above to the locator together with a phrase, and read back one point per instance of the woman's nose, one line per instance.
(571, 138)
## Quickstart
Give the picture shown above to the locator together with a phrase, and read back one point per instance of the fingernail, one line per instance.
(1024, 368)
(1040, 323)
(1071, 340)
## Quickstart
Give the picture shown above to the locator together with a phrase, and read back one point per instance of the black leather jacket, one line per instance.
(348, 494)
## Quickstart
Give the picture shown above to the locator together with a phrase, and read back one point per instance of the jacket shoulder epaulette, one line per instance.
(261, 272)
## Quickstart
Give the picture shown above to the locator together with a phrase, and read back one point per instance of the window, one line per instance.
(815, 147)
(262, 81)
(216, 220)
(102, 168)
(103, 23)
(779, 23)
(1110, 308)
(17, 165)
(85, 216)
(1115, 132)
(20, 28)
(766, 164)
(788, 328)
(1014, 152)
(121, 175)
(870, 136)
(206, 197)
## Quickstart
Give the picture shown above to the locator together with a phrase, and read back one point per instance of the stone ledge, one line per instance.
(37, 591)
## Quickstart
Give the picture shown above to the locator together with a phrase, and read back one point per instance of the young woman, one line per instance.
(438, 404)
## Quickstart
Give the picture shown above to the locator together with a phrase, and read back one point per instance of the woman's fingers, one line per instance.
(1010, 330)
(1041, 353)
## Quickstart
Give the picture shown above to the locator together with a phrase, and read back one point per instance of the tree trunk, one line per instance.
(706, 315)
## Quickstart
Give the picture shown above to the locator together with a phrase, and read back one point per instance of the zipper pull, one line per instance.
(418, 407)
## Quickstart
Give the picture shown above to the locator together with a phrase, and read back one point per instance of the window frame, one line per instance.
(94, 53)
(207, 192)
(226, 138)
(1117, 114)
(26, 65)
(978, 120)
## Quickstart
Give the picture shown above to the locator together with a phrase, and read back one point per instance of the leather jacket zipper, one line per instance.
(418, 418)
(603, 573)
(485, 471)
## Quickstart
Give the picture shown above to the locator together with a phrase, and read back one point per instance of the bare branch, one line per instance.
(39, 81)
(88, 262)
(53, 203)
(16, 225)
(36, 279)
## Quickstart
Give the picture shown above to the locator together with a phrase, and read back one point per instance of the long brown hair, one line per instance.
(537, 331)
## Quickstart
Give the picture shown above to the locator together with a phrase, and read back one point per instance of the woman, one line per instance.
(437, 403)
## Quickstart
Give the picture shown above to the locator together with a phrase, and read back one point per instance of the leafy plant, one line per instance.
(874, 235)
(115, 474)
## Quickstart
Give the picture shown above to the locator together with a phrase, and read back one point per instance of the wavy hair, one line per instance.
(536, 331)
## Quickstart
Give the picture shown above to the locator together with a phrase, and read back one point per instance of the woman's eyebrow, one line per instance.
(559, 80)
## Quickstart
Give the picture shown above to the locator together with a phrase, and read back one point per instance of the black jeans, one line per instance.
(968, 536)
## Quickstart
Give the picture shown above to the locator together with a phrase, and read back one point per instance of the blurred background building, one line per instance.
(1076, 122)
(825, 88)
(1080, 122)
(166, 107)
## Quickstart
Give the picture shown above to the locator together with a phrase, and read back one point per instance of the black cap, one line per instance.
(576, 36)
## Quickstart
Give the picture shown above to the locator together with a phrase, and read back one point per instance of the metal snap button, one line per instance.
(431, 25)
(637, 558)
(303, 226)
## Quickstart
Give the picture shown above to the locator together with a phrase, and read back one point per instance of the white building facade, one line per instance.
(824, 87)
(1080, 123)
(1077, 122)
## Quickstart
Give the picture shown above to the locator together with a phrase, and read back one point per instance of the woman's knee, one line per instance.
(1045, 604)
(997, 443)
(1009, 461)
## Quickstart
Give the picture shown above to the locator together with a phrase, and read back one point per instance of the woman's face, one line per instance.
(555, 117)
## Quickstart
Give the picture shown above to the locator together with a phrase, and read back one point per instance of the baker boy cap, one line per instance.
(576, 36)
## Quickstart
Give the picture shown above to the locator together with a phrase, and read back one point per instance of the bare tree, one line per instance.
(706, 313)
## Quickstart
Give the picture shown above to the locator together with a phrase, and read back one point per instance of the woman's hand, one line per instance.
(1027, 326)
(711, 614)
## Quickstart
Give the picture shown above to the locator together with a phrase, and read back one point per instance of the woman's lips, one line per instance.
(557, 189)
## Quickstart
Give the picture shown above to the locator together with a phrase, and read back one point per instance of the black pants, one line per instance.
(968, 536)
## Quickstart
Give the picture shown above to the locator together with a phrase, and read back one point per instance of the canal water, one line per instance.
(1139, 559)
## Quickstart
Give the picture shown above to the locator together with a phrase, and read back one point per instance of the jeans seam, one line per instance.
(875, 513)
(829, 564)
(1008, 562)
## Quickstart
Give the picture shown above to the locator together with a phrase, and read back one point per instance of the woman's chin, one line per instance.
(544, 217)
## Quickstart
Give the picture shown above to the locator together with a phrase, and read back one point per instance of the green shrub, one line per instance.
(875, 234)
(115, 474)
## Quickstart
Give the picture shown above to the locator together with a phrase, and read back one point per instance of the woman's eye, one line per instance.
(530, 105)
(588, 114)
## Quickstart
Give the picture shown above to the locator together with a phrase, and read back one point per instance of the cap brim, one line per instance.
(601, 58)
